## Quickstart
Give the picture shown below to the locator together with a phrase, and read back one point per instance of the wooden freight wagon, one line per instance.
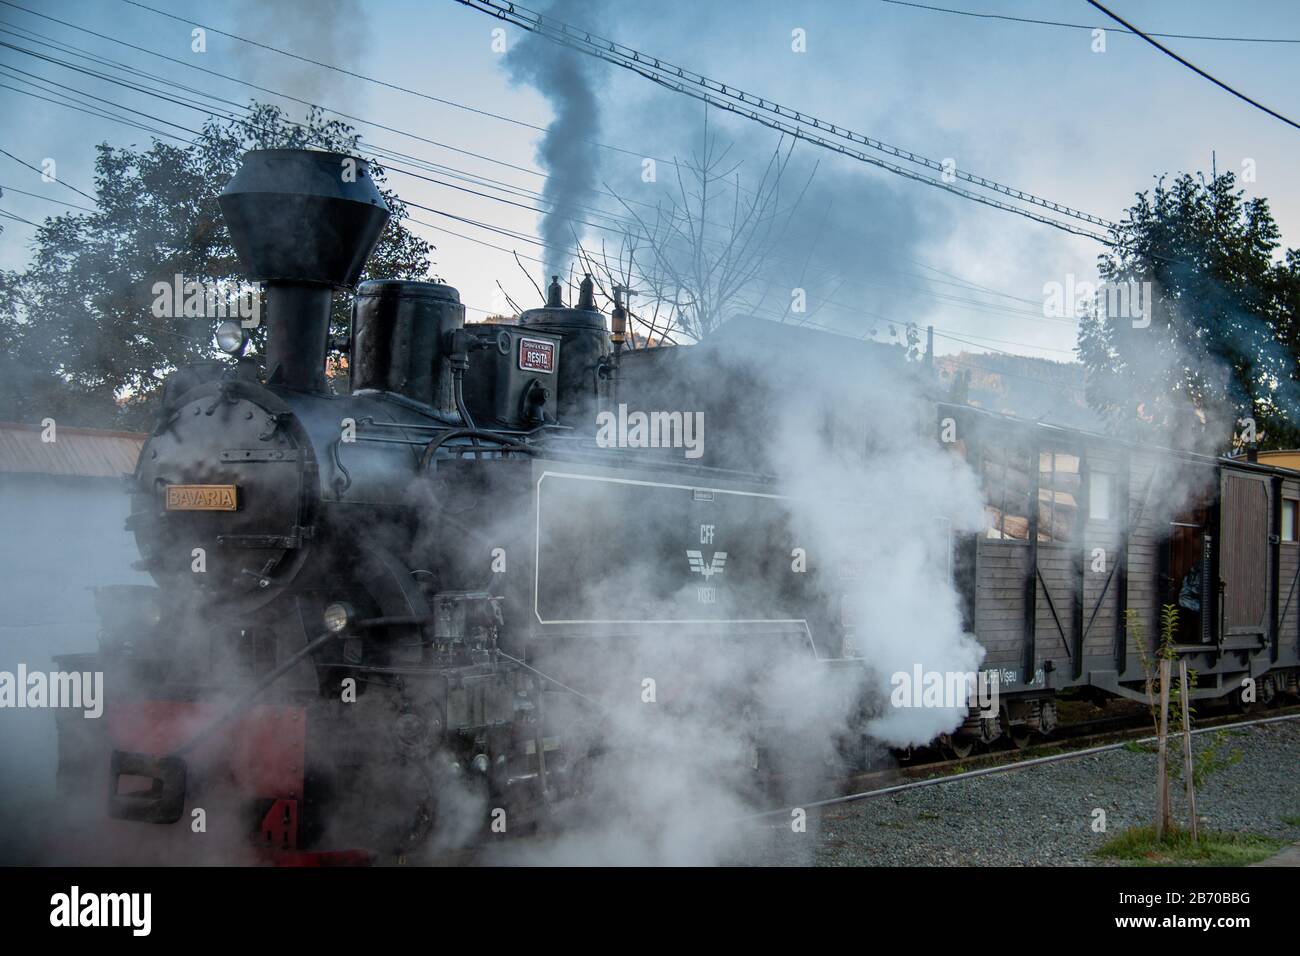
(1086, 538)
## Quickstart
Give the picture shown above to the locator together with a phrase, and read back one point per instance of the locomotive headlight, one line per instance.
(231, 338)
(337, 618)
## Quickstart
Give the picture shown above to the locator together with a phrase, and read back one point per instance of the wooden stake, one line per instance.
(1162, 785)
(1187, 748)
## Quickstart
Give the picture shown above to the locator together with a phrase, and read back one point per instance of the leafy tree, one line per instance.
(1223, 341)
(84, 344)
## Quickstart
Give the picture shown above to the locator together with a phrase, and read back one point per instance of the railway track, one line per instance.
(882, 783)
(1077, 739)
(1135, 718)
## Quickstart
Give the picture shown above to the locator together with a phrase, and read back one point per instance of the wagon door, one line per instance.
(1244, 554)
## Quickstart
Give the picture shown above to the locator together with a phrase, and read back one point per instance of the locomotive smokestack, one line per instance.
(304, 222)
(553, 299)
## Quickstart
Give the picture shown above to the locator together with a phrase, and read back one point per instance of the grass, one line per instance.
(1292, 821)
(1137, 845)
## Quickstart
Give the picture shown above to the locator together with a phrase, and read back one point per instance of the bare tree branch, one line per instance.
(529, 275)
(511, 302)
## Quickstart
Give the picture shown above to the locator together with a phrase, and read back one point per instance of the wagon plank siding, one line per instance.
(1289, 587)
(1147, 529)
(999, 607)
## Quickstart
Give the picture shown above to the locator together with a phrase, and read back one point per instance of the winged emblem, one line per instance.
(696, 558)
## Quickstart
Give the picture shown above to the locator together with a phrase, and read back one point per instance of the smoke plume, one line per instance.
(566, 152)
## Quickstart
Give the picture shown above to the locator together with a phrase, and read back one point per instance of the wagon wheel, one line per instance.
(1237, 698)
(1021, 735)
(1267, 690)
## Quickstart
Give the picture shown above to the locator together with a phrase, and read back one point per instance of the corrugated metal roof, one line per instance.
(78, 452)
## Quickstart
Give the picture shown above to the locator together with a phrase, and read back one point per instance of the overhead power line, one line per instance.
(475, 178)
(69, 101)
(43, 40)
(792, 122)
(9, 215)
(912, 157)
(58, 202)
(1085, 26)
(621, 224)
(790, 117)
(361, 76)
(37, 169)
(522, 237)
(229, 115)
(254, 86)
(1194, 68)
(508, 233)
(512, 234)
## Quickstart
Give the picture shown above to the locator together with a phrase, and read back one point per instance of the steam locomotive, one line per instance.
(418, 605)
(366, 598)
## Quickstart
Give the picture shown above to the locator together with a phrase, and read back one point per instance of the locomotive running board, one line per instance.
(164, 799)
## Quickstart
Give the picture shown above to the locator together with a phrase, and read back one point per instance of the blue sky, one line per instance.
(1030, 106)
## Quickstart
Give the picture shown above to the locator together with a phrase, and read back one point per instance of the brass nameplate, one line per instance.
(201, 498)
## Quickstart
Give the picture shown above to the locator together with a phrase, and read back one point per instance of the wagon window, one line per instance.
(1005, 478)
(1101, 491)
(1058, 495)
(1290, 519)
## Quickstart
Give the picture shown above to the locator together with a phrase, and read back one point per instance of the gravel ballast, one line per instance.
(1044, 815)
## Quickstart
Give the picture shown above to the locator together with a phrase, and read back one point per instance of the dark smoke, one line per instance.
(566, 152)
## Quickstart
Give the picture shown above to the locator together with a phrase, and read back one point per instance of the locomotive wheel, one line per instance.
(958, 747)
